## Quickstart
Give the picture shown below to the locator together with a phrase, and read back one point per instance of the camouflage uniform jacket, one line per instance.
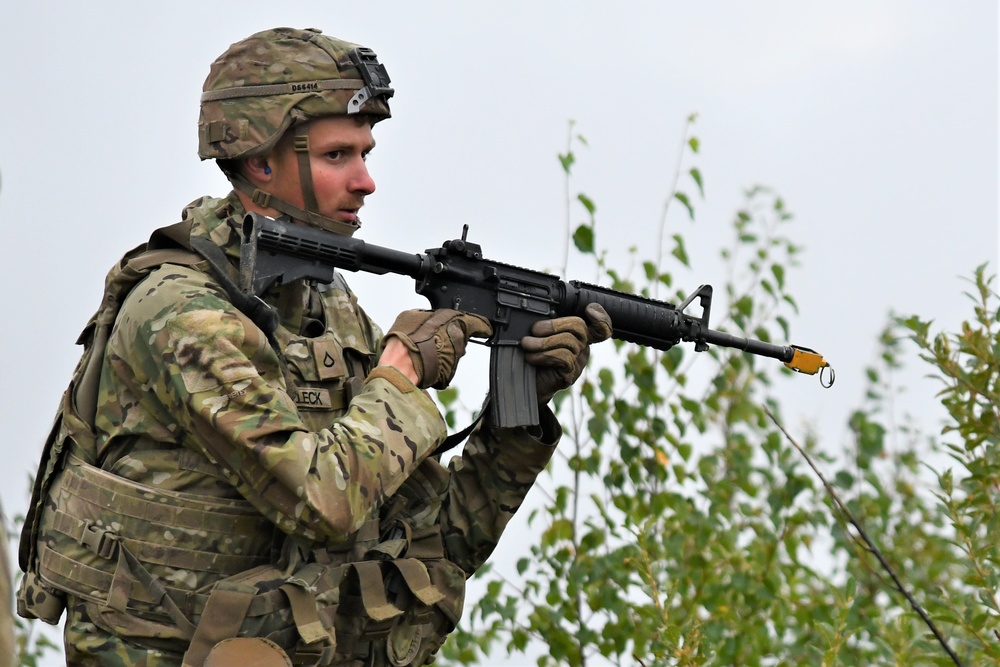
(194, 403)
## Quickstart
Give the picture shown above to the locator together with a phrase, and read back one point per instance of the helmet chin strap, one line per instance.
(301, 146)
(310, 215)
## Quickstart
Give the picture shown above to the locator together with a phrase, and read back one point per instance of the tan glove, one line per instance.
(559, 348)
(436, 340)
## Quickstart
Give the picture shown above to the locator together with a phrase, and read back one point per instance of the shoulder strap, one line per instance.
(253, 307)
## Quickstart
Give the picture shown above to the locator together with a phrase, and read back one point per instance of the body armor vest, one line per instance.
(389, 595)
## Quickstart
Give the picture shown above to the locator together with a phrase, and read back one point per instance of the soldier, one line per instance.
(227, 482)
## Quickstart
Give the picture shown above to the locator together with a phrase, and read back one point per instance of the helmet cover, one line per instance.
(278, 78)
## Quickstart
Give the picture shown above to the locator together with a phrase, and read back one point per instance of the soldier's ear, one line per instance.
(257, 169)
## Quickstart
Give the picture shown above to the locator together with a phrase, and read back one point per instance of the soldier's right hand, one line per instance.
(436, 340)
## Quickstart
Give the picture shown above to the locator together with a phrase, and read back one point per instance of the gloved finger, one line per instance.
(464, 326)
(568, 340)
(550, 380)
(560, 359)
(598, 323)
(563, 340)
(476, 326)
(570, 324)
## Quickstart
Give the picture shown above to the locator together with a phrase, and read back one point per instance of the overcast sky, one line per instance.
(875, 121)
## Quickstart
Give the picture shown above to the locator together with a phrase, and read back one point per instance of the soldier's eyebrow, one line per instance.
(347, 145)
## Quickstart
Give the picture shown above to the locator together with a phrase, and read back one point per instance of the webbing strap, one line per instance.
(86, 532)
(224, 614)
(129, 572)
(265, 317)
(265, 200)
(305, 168)
(455, 438)
(91, 583)
(301, 589)
(307, 621)
(372, 587)
(417, 579)
(426, 544)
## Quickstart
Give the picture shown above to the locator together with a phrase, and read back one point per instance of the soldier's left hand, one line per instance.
(559, 348)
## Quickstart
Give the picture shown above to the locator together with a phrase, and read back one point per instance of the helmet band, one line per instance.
(282, 89)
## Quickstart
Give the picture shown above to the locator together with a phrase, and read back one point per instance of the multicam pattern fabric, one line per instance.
(194, 408)
(240, 127)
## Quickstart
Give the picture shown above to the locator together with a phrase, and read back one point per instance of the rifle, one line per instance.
(512, 298)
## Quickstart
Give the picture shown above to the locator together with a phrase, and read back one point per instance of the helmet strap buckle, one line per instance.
(261, 198)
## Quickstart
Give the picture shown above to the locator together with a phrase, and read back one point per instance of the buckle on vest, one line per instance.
(99, 540)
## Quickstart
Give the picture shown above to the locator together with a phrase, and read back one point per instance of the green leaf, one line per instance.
(679, 250)
(671, 361)
(744, 306)
(684, 451)
(945, 481)
(606, 379)
(650, 270)
(783, 323)
(871, 438)
(583, 239)
(587, 203)
(592, 540)
(696, 175)
(779, 274)
(683, 199)
(567, 161)
(447, 396)
(844, 479)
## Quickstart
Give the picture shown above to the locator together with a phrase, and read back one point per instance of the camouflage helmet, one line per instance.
(279, 78)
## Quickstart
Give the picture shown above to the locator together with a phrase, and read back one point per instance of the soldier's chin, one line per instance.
(336, 224)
